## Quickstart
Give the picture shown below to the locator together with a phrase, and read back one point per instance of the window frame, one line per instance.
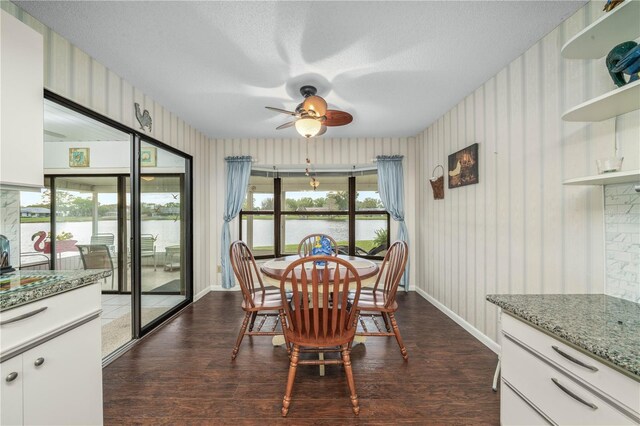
(278, 214)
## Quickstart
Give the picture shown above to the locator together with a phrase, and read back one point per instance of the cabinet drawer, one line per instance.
(542, 385)
(60, 310)
(516, 411)
(611, 382)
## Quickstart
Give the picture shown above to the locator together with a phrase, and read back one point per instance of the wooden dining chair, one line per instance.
(319, 318)
(256, 299)
(305, 248)
(380, 301)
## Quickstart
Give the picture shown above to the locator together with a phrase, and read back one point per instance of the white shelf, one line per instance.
(619, 101)
(630, 176)
(596, 40)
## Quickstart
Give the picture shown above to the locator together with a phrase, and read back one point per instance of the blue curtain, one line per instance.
(391, 189)
(238, 172)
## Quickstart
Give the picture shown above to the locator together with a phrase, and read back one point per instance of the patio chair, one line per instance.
(305, 248)
(322, 320)
(148, 247)
(380, 301)
(96, 256)
(104, 238)
(257, 300)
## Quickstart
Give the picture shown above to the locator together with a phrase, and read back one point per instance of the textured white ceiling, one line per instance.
(395, 66)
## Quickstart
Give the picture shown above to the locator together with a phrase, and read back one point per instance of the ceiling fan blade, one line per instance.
(284, 111)
(322, 131)
(285, 125)
(337, 118)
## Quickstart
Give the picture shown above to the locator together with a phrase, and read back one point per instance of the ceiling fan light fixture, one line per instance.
(315, 106)
(308, 127)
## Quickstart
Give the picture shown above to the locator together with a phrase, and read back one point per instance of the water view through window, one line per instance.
(304, 210)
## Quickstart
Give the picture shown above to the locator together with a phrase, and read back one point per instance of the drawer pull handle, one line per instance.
(574, 360)
(573, 395)
(23, 316)
(11, 376)
(38, 362)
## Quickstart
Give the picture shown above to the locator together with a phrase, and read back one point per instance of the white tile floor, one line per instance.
(116, 305)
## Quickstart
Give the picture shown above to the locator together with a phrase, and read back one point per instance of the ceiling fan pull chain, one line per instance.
(306, 171)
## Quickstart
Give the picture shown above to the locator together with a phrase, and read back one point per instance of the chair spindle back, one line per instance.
(246, 271)
(391, 271)
(305, 248)
(319, 309)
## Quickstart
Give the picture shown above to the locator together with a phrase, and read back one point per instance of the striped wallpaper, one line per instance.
(71, 73)
(520, 230)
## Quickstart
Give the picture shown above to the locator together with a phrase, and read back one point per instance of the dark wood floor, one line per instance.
(183, 374)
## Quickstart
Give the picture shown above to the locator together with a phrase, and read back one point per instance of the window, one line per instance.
(257, 217)
(279, 211)
(371, 219)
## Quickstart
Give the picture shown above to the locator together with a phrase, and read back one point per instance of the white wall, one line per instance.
(340, 153)
(73, 74)
(520, 230)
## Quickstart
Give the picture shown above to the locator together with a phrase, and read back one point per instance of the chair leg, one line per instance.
(253, 320)
(243, 329)
(346, 359)
(286, 401)
(386, 322)
(396, 331)
(356, 317)
(496, 377)
(283, 325)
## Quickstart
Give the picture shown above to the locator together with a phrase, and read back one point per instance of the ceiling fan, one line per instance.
(312, 116)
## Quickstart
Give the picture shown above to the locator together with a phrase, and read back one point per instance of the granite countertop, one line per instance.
(22, 287)
(601, 325)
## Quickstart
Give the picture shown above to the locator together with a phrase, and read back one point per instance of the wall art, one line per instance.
(79, 157)
(463, 167)
(148, 157)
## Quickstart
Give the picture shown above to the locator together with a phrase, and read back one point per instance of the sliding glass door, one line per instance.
(112, 202)
(164, 230)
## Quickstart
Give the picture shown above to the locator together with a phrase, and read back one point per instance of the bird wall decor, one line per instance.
(144, 118)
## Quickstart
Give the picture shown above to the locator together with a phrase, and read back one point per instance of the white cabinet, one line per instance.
(548, 381)
(21, 104)
(54, 376)
(56, 382)
(11, 391)
(71, 362)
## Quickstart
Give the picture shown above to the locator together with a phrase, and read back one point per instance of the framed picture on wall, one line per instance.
(463, 167)
(79, 157)
(148, 157)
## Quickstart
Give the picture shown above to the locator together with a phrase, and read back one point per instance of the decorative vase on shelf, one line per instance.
(624, 59)
(322, 247)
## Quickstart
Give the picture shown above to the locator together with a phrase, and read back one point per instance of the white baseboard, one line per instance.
(201, 294)
(484, 339)
(220, 288)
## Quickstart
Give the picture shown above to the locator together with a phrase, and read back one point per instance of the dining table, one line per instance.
(274, 268)
(273, 271)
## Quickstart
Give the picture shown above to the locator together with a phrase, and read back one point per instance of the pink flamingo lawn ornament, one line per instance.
(42, 246)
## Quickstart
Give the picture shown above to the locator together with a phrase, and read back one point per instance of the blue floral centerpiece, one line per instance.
(322, 247)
